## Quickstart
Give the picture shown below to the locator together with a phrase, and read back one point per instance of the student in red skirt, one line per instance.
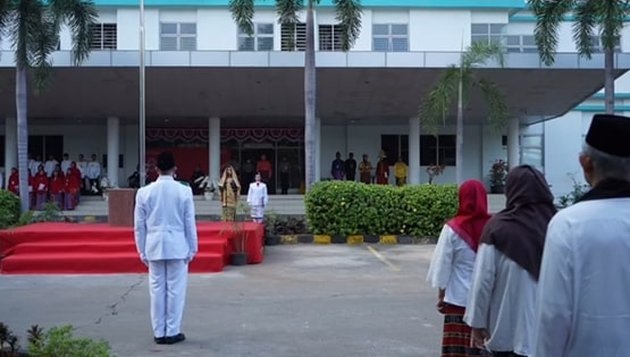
(40, 186)
(57, 187)
(73, 187)
(14, 182)
(452, 267)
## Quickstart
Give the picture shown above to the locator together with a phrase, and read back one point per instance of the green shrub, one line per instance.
(346, 208)
(9, 209)
(59, 342)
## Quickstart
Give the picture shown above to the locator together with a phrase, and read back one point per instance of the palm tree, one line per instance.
(591, 17)
(34, 27)
(349, 16)
(457, 83)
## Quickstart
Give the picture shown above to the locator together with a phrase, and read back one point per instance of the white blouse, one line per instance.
(451, 267)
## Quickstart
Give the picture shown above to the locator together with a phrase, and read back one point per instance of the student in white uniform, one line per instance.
(82, 166)
(49, 166)
(584, 289)
(502, 299)
(33, 165)
(65, 163)
(166, 239)
(93, 175)
(257, 198)
(452, 265)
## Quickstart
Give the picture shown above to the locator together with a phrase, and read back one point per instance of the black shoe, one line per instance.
(160, 340)
(175, 339)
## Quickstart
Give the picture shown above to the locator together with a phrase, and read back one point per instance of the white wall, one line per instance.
(439, 30)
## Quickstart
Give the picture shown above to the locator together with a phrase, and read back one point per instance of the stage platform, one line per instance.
(70, 248)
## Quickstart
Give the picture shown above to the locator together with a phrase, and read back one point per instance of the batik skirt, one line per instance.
(456, 337)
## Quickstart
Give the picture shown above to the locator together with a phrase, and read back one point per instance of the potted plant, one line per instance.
(207, 186)
(239, 238)
(434, 171)
(498, 173)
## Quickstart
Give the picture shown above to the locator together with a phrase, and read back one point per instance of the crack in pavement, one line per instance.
(112, 310)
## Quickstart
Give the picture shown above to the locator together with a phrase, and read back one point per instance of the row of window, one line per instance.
(441, 149)
(385, 37)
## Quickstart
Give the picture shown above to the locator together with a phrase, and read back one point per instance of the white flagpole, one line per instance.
(142, 119)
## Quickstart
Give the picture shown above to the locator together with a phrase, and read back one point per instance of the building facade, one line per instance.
(218, 96)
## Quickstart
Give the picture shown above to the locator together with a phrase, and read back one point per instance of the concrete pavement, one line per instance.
(304, 300)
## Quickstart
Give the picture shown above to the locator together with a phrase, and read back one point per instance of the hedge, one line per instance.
(348, 208)
(9, 209)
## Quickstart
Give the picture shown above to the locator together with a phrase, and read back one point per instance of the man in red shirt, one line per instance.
(263, 167)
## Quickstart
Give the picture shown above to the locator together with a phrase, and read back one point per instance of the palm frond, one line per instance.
(23, 29)
(436, 105)
(613, 14)
(498, 111)
(479, 52)
(5, 12)
(42, 43)
(243, 13)
(79, 15)
(349, 16)
(584, 26)
(288, 10)
(549, 16)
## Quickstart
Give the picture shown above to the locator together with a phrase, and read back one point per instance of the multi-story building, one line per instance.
(216, 95)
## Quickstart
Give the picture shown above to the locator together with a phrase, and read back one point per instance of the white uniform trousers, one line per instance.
(257, 213)
(167, 285)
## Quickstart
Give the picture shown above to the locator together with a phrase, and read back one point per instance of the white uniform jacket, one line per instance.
(164, 222)
(257, 194)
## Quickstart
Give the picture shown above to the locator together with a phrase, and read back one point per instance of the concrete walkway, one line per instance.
(278, 204)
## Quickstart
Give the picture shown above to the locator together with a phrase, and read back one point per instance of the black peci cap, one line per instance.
(610, 134)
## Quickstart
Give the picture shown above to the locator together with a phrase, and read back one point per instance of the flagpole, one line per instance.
(142, 119)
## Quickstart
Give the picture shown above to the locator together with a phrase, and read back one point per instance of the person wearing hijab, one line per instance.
(584, 291)
(57, 187)
(452, 266)
(40, 184)
(502, 299)
(257, 198)
(230, 189)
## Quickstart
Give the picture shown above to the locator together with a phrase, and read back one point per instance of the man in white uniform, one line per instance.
(584, 290)
(82, 166)
(166, 239)
(65, 163)
(33, 165)
(257, 198)
(93, 175)
(502, 298)
(49, 166)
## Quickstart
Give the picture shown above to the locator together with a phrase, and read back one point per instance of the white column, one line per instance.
(318, 149)
(214, 148)
(414, 151)
(113, 150)
(10, 147)
(513, 143)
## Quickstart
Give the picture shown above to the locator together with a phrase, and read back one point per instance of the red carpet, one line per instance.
(67, 248)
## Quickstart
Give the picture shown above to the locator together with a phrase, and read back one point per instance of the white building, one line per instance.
(214, 95)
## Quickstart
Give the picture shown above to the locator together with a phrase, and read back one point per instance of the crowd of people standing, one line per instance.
(347, 170)
(531, 281)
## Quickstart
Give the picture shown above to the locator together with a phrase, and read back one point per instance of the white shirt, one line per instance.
(164, 221)
(93, 170)
(452, 266)
(49, 167)
(82, 166)
(584, 296)
(34, 167)
(502, 300)
(257, 194)
(65, 165)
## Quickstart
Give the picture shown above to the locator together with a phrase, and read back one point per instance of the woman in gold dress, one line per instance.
(230, 190)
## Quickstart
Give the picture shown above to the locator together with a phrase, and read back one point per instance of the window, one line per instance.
(487, 32)
(260, 40)
(293, 37)
(531, 150)
(390, 38)
(330, 37)
(521, 44)
(45, 145)
(438, 150)
(178, 36)
(103, 37)
(395, 146)
(598, 46)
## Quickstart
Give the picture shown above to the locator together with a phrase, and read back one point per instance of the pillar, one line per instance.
(10, 147)
(414, 151)
(214, 148)
(318, 149)
(513, 153)
(113, 150)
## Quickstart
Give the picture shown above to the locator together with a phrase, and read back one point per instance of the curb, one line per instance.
(323, 239)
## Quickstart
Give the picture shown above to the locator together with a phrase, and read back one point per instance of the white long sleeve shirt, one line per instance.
(584, 289)
(257, 194)
(452, 267)
(49, 167)
(65, 165)
(93, 170)
(502, 300)
(164, 221)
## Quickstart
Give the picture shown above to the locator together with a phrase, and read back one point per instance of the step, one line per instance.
(102, 247)
(94, 263)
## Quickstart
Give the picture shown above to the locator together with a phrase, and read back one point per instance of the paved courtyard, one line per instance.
(304, 300)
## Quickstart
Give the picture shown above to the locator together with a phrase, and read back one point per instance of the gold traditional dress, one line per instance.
(230, 190)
